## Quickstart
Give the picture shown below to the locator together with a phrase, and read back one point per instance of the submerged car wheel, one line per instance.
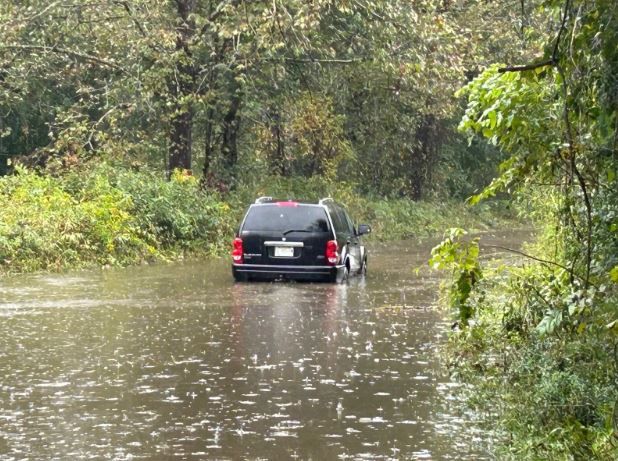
(346, 274)
(239, 277)
(363, 270)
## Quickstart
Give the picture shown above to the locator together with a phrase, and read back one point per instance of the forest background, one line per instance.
(138, 130)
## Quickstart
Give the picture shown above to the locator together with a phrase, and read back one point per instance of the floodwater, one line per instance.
(178, 362)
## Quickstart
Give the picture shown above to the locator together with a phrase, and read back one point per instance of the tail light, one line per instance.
(237, 252)
(332, 255)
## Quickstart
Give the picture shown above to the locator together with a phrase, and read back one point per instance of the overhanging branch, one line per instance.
(66, 52)
(534, 258)
(554, 55)
(315, 60)
(533, 66)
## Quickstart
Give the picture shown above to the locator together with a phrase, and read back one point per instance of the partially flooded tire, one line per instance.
(241, 277)
(346, 275)
(363, 270)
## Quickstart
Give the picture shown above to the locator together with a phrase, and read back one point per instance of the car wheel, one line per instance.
(346, 274)
(241, 278)
(363, 270)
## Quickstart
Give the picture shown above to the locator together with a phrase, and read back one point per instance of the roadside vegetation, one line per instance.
(538, 339)
(138, 131)
(102, 215)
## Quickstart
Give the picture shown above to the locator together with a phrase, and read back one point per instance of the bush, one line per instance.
(550, 389)
(45, 227)
(99, 215)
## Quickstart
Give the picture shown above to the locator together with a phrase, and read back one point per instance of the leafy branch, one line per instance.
(66, 52)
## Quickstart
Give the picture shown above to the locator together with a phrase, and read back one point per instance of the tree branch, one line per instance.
(565, 14)
(315, 60)
(100, 120)
(65, 51)
(218, 10)
(37, 15)
(548, 62)
(129, 10)
(534, 258)
(554, 55)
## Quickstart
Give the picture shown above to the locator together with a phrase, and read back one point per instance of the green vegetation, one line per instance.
(461, 257)
(232, 89)
(104, 217)
(102, 102)
(133, 131)
(100, 215)
(541, 349)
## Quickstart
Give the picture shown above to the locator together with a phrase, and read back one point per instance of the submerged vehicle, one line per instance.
(298, 240)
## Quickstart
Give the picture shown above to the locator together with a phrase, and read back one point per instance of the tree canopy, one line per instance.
(204, 85)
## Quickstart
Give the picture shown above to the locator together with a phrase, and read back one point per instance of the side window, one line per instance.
(340, 226)
(350, 223)
(343, 223)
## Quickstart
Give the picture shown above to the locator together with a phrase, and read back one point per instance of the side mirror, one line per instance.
(364, 229)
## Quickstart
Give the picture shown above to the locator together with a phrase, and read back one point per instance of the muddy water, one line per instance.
(178, 362)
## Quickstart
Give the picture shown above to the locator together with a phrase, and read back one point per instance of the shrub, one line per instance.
(45, 227)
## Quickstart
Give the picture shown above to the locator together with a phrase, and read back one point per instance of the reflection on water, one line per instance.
(178, 362)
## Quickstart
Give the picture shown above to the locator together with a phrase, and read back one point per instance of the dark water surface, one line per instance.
(178, 362)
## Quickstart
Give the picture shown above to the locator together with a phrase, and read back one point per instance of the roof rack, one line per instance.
(326, 199)
(264, 199)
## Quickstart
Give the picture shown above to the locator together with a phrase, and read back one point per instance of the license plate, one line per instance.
(284, 252)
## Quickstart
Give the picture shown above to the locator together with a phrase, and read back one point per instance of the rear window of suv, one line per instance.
(275, 218)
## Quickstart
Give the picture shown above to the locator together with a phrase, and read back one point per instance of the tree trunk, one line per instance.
(182, 86)
(181, 141)
(424, 158)
(231, 126)
(4, 164)
(278, 152)
(208, 141)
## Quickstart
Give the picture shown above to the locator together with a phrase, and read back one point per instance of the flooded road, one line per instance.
(178, 362)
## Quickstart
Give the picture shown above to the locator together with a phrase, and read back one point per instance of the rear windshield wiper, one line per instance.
(296, 230)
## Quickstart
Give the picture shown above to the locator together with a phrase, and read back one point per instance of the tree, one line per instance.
(191, 81)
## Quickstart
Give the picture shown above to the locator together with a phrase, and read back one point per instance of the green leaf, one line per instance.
(613, 274)
(550, 322)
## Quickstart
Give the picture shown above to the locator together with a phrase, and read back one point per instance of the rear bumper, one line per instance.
(269, 272)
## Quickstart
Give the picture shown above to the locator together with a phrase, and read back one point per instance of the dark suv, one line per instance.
(298, 240)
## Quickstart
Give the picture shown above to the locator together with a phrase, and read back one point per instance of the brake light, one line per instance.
(288, 203)
(237, 252)
(332, 256)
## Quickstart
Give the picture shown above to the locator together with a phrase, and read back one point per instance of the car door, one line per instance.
(354, 243)
(346, 238)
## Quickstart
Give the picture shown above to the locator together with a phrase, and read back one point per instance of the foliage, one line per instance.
(542, 349)
(313, 137)
(178, 213)
(190, 83)
(105, 216)
(461, 259)
(99, 214)
(47, 228)
(106, 99)
(551, 392)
